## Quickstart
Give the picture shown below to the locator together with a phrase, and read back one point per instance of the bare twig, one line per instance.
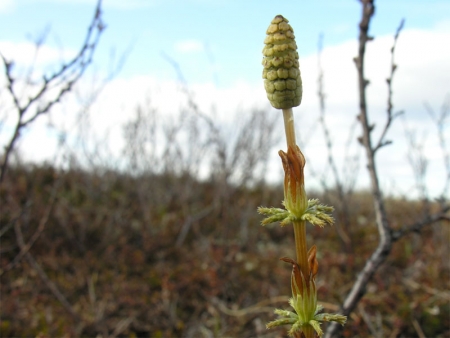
(321, 95)
(385, 243)
(418, 161)
(121, 326)
(368, 9)
(440, 121)
(351, 161)
(188, 222)
(25, 248)
(367, 320)
(61, 82)
(251, 144)
(50, 285)
(443, 215)
(390, 116)
(338, 182)
(418, 329)
(443, 295)
(387, 235)
(212, 125)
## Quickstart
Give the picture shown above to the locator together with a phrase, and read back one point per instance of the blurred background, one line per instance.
(140, 143)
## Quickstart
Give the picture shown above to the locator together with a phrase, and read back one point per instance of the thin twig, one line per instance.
(390, 116)
(418, 160)
(442, 295)
(443, 215)
(338, 182)
(440, 121)
(387, 236)
(418, 329)
(50, 285)
(192, 219)
(24, 249)
(321, 95)
(367, 320)
(385, 243)
(61, 81)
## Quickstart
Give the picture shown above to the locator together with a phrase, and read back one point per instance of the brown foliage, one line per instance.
(115, 260)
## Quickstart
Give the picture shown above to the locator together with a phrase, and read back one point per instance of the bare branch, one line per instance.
(368, 9)
(321, 95)
(25, 248)
(338, 182)
(385, 242)
(418, 161)
(440, 121)
(51, 286)
(390, 116)
(61, 82)
(443, 215)
(387, 235)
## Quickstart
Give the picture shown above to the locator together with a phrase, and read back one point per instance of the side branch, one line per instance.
(378, 257)
(443, 215)
(390, 116)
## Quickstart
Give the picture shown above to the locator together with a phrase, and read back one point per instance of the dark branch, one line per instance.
(443, 215)
(385, 243)
(62, 81)
(390, 115)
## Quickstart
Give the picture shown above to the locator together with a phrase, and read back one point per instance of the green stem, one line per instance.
(309, 331)
(289, 127)
(299, 226)
(301, 248)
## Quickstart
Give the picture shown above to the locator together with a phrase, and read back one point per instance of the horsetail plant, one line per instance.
(283, 85)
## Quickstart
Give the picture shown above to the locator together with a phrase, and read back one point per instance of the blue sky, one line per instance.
(222, 37)
(218, 44)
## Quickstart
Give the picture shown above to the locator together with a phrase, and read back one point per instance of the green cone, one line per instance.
(281, 72)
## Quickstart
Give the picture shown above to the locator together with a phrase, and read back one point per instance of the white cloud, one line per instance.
(24, 53)
(422, 75)
(6, 6)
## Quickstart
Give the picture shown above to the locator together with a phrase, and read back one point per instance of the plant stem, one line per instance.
(301, 248)
(299, 226)
(289, 127)
(308, 332)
